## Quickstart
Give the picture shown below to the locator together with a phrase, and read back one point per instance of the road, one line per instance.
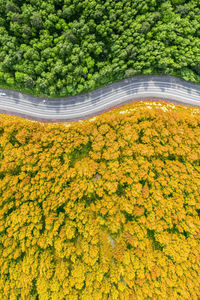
(84, 106)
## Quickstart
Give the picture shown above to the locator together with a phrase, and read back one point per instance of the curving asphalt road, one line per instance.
(83, 106)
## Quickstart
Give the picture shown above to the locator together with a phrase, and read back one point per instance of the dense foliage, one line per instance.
(65, 47)
(107, 208)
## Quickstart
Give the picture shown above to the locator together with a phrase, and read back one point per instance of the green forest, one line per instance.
(66, 47)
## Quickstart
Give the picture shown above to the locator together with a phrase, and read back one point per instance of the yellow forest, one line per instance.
(104, 208)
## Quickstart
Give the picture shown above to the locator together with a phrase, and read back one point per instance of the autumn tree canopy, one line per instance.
(107, 208)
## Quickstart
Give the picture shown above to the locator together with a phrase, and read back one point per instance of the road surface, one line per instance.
(84, 106)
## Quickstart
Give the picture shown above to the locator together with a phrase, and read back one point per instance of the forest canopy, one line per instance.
(106, 208)
(66, 47)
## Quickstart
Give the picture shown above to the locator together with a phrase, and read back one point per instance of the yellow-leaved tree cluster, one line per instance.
(107, 208)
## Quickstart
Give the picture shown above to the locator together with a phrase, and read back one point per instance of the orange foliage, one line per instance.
(108, 209)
